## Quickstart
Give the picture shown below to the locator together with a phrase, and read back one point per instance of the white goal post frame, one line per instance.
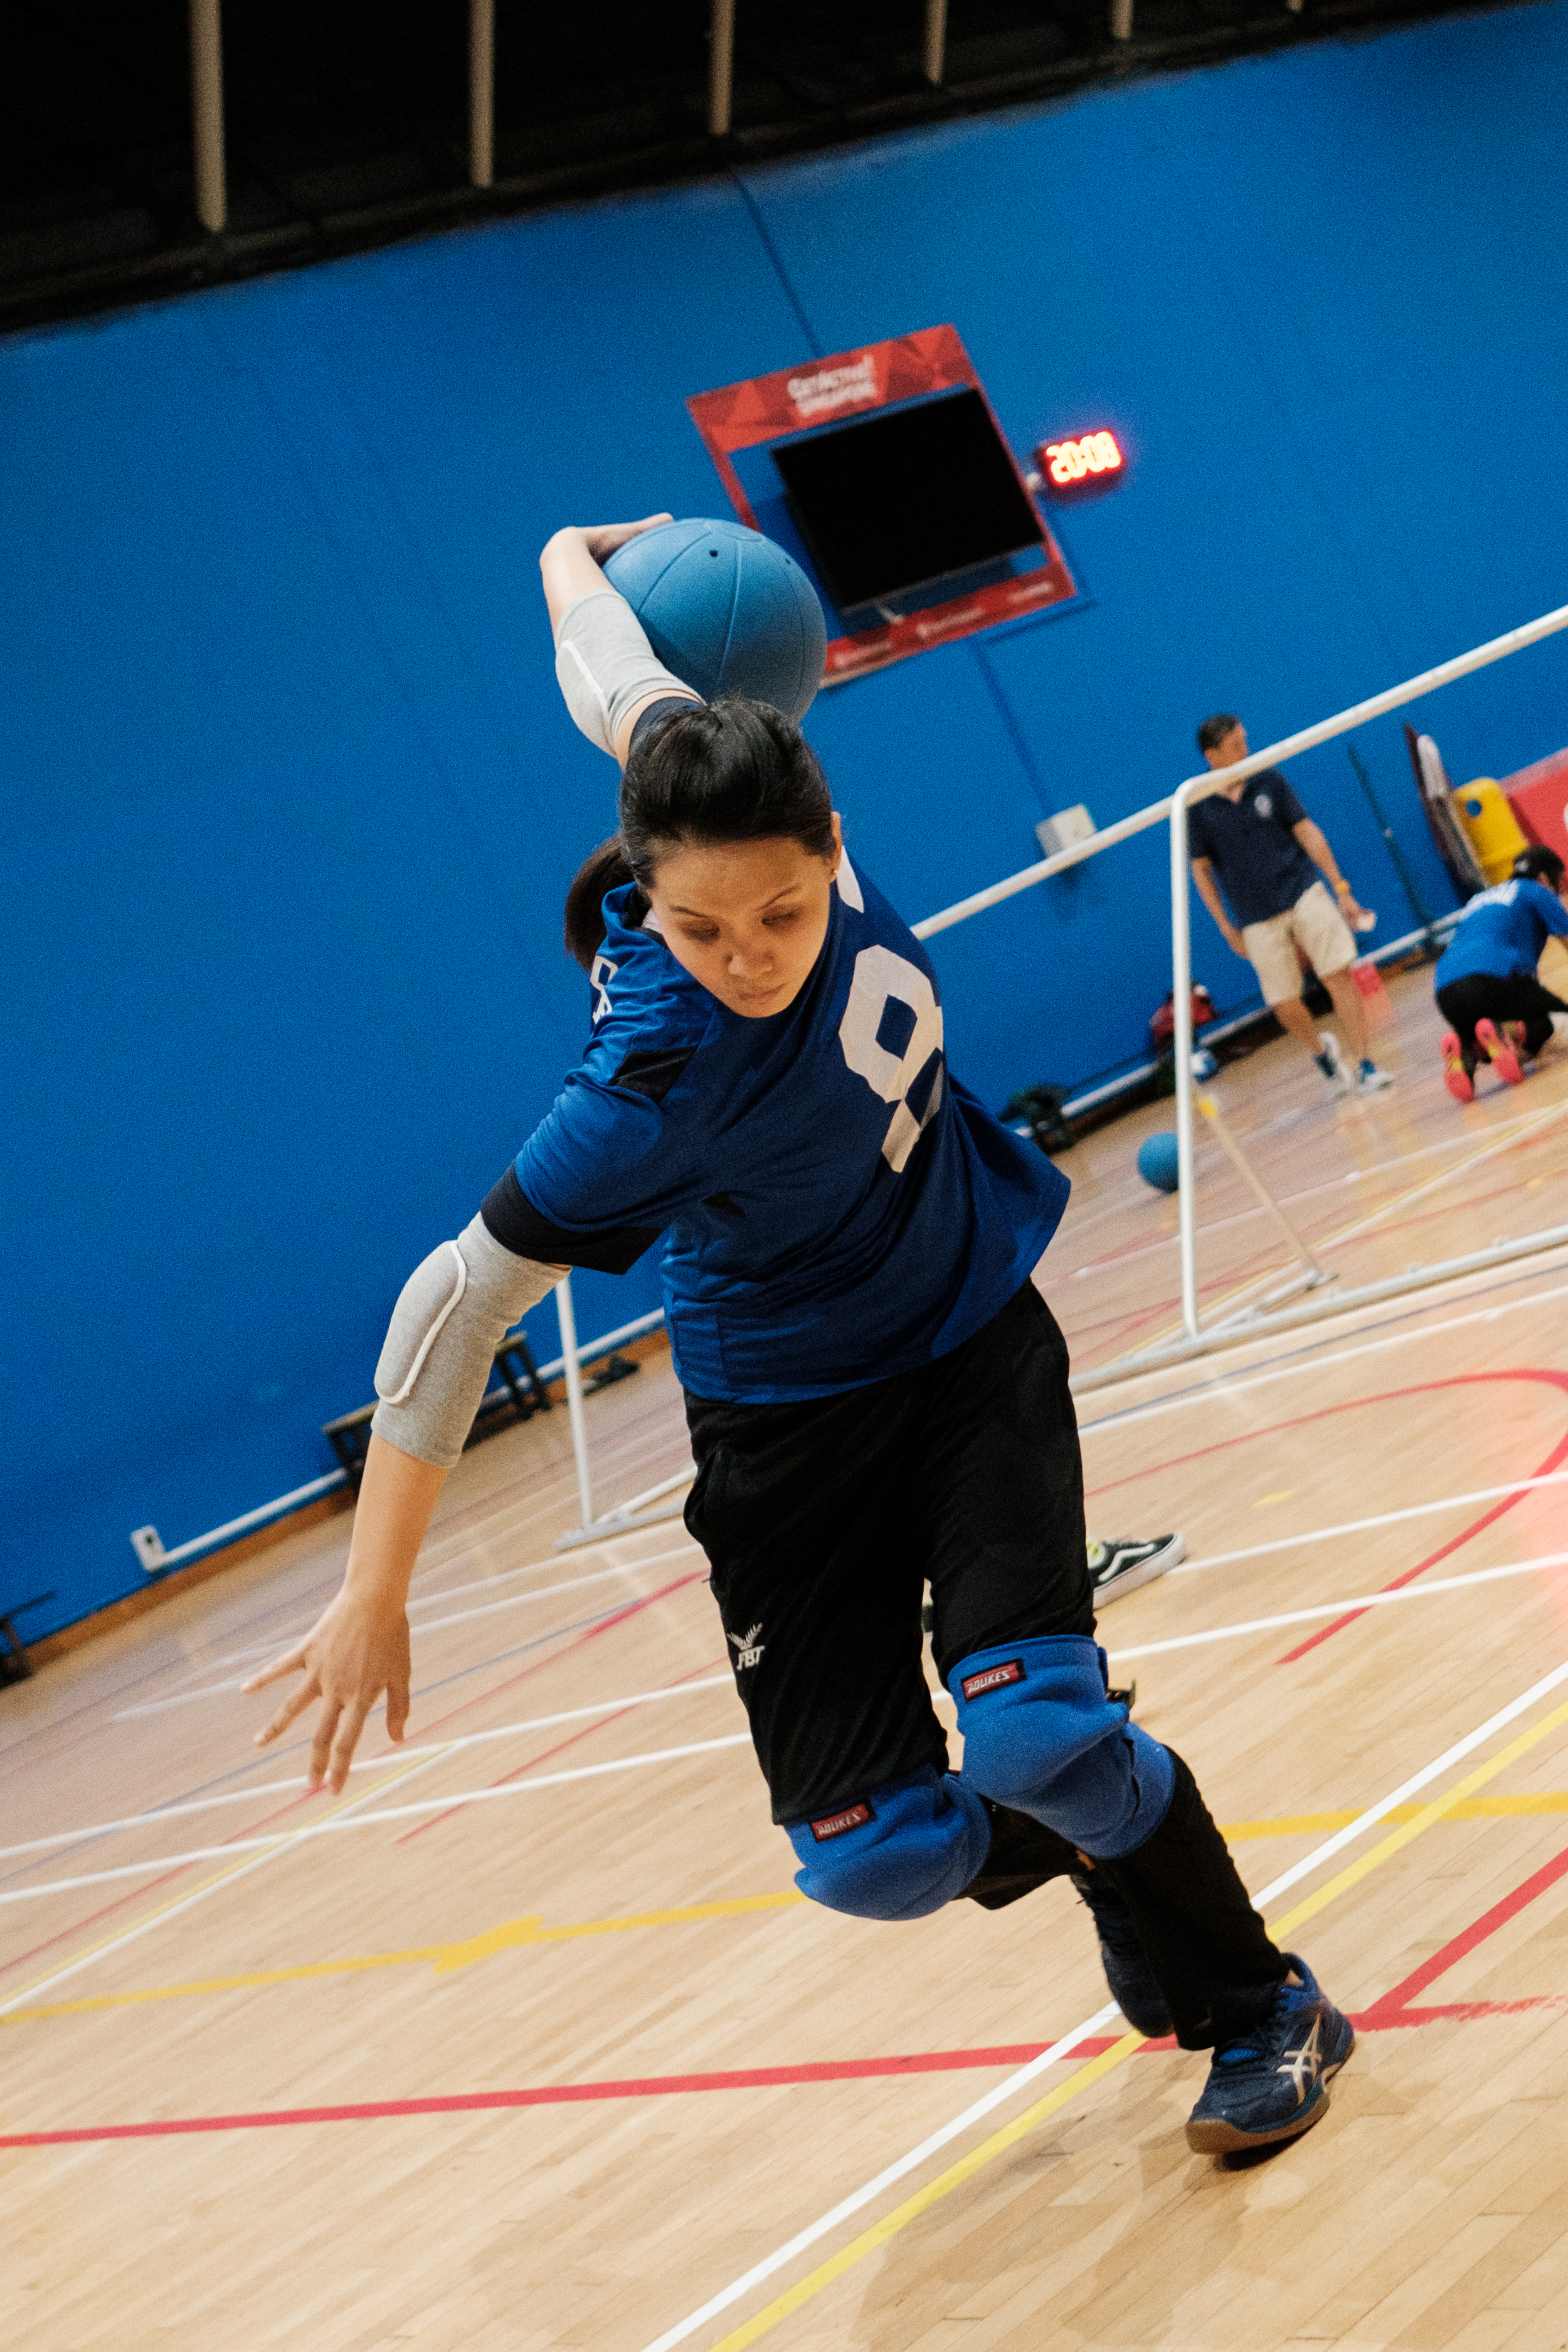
(1194, 1339)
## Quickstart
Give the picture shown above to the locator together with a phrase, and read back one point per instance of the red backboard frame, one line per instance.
(856, 384)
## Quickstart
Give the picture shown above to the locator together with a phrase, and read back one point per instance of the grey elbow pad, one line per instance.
(604, 665)
(454, 1311)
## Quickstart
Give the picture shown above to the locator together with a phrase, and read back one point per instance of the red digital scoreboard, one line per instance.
(1081, 464)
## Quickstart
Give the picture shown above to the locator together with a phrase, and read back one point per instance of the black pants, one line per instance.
(1498, 996)
(824, 1521)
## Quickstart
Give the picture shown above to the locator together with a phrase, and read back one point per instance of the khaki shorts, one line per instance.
(1315, 925)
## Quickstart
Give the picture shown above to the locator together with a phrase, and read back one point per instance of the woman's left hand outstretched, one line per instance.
(358, 1647)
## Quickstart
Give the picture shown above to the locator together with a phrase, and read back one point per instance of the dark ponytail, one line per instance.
(729, 770)
(605, 870)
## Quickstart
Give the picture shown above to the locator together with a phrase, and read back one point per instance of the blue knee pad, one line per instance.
(903, 1851)
(1040, 1735)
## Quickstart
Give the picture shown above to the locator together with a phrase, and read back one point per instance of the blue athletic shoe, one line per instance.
(1127, 1971)
(1273, 2083)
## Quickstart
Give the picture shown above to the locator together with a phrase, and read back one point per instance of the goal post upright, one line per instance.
(1193, 1339)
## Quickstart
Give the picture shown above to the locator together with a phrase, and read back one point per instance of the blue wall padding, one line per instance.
(1047, 1741)
(928, 1836)
(291, 799)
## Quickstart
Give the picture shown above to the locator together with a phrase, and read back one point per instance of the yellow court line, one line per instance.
(1481, 1808)
(443, 1958)
(190, 1894)
(513, 1935)
(837, 2264)
(912, 2207)
(1423, 1820)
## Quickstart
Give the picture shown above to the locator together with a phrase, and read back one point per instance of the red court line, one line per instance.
(544, 1755)
(1394, 2006)
(1322, 1412)
(391, 1755)
(1356, 1404)
(150, 1886)
(698, 1575)
(652, 2086)
(1552, 1462)
(746, 2078)
(80, 1926)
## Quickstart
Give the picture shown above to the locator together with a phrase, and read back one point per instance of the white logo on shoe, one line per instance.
(1304, 2065)
(748, 1649)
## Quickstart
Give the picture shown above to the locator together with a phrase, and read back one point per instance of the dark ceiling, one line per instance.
(346, 119)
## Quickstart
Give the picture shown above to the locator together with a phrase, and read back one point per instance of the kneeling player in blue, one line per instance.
(1486, 982)
(876, 1393)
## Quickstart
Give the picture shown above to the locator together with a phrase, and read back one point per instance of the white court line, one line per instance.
(1286, 1200)
(186, 1903)
(1222, 1385)
(1358, 1527)
(520, 1514)
(466, 1540)
(368, 1821)
(621, 1568)
(453, 1593)
(432, 1626)
(1427, 1590)
(367, 1764)
(1014, 2083)
(178, 1698)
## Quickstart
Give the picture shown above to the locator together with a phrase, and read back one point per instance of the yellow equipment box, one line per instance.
(1491, 826)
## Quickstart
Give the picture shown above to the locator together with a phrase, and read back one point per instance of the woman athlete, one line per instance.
(876, 1393)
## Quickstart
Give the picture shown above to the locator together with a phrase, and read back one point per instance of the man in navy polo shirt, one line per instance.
(1255, 841)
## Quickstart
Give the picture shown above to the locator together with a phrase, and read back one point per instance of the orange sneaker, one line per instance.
(1456, 1077)
(1502, 1051)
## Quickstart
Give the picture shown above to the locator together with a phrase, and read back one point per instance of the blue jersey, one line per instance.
(1502, 931)
(835, 1208)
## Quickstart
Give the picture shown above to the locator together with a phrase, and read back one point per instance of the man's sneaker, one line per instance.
(1122, 1563)
(1127, 1972)
(1116, 1566)
(1370, 1079)
(1331, 1062)
(1502, 1050)
(1456, 1071)
(1273, 2083)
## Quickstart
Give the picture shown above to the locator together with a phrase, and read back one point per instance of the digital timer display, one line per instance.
(1067, 465)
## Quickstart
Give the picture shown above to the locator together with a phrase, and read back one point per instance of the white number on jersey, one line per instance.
(599, 981)
(880, 976)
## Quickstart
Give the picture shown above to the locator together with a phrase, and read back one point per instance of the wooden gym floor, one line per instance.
(528, 2042)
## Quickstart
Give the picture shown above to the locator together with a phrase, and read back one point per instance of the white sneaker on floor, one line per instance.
(1124, 1562)
(1371, 1080)
(1332, 1064)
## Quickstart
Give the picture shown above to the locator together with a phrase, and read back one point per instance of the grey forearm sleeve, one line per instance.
(605, 665)
(454, 1311)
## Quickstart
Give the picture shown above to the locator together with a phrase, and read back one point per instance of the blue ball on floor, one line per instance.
(726, 610)
(1157, 1162)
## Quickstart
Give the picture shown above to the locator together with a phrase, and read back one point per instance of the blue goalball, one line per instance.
(1157, 1162)
(726, 610)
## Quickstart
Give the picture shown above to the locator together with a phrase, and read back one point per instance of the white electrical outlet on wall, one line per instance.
(1060, 832)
